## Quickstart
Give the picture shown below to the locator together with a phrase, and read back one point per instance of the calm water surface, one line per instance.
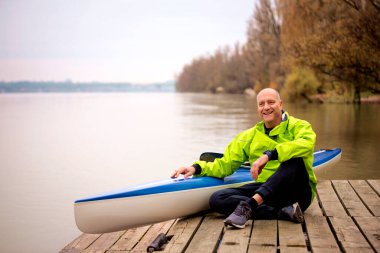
(55, 148)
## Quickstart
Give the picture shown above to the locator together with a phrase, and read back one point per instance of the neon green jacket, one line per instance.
(292, 138)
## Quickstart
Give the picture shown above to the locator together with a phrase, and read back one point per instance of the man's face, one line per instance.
(269, 108)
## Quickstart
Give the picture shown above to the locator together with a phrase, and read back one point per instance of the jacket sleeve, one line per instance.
(234, 155)
(301, 146)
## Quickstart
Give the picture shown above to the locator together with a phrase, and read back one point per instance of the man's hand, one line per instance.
(258, 165)
(186, 171)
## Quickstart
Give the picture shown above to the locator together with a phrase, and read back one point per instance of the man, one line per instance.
(280, 149)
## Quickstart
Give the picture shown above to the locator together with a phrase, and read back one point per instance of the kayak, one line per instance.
(164, 199)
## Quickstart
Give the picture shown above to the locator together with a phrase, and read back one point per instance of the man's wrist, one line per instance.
(198, 169)
(272, 154)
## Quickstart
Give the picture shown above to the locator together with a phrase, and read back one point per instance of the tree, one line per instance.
(338, 38)
(225, 70)
(301, 83)
(263, 44)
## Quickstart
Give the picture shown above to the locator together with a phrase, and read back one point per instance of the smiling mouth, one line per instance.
(267, 113)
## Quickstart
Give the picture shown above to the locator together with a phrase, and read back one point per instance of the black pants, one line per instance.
(289, 184)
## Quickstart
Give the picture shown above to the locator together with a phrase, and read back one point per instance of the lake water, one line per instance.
(55, 148)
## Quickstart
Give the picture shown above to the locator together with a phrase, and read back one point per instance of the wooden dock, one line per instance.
(344, 218)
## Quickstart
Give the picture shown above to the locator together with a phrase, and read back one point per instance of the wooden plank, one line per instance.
(80, 243)
(207, 236)
(235, 240)
(320, 236)
(367, 195)
(361, 251)
(291, 237)
(350, 199)
(104, 242)
(314, 209)
(329, 200)
(325, 250)
(349, 235)
(371, 229)
(264, 233)
(128, 240)
(375, 183)
(151, 234)
(182, 233)
(261, 249)
(292, 250)
(263, 237)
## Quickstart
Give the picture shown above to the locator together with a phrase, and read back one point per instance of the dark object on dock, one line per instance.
(158, 243)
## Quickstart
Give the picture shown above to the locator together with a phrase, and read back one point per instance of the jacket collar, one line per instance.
(279, 129)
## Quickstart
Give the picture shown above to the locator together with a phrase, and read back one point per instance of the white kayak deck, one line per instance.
(345, 217)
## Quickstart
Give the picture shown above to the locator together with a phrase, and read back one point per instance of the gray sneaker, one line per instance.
(291, 213)
(240, 216)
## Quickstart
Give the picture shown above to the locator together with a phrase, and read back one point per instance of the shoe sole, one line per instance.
(233, 225)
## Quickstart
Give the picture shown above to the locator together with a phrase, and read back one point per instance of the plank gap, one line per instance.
(350, 198)
(335, 235)
(130, 238)
(193, 234)
(366, 195)
(370, 229)
(331, 205)
(320, 202)
(205, 239)
(219, 240)
(349, 234)
(306, 235)
(340, 199)
(375, 185)
(183, 233)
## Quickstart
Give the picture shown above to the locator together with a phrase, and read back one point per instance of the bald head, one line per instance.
(269, 91)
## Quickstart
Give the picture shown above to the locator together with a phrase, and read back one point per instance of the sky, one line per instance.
(137, 41)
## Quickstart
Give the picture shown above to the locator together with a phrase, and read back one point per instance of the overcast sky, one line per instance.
(137, 41)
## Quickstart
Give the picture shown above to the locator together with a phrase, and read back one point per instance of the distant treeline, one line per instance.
(27, 86)
(308, 49)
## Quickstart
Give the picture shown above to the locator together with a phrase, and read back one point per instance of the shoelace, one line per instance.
(242, 210)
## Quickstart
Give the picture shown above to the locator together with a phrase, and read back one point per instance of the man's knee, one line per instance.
(293, 169)
(216, 201)
(217, 198)
(295, 163)
(214, 198)
(225, 201)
